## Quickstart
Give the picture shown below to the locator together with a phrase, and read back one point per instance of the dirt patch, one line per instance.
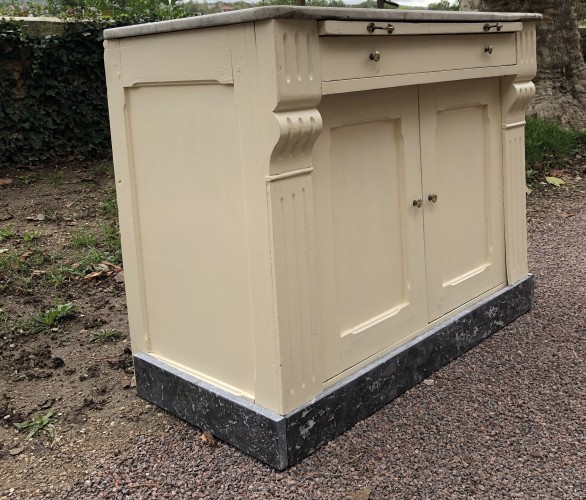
(59, 246)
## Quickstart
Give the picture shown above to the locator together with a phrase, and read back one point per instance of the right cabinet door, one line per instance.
(462, 191)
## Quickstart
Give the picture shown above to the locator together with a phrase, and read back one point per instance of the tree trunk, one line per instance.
(561, 73)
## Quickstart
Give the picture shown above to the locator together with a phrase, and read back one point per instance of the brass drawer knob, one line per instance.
(418, 203)
(375, 56)
(489, 49)
(432, 198)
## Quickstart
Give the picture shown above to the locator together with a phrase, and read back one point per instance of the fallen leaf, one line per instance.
(3, 250)
(16, 451)
(5, 182)
(37, 218)
(429, 381)
(208, 437)
(555, 181)
(97, 274)
(363, 494)
(569, 213)
(26, 255)
(133, 381)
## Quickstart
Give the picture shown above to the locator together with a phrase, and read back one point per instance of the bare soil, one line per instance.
(506, 419)
(71, 368)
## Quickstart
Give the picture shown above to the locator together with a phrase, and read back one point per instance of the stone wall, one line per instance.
(37, 27)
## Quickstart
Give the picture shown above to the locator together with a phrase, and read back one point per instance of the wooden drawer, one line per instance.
(347, 57)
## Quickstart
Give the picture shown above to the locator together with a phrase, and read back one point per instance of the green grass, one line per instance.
(111, 236)
(106, 336)
(84, 239)
(28, 179)
(548, 144)
(7, 233)
(18, 270)
(56, 178)
(109, 206)
(58, 275)
(105, 168)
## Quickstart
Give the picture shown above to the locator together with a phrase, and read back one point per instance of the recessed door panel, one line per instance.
(366, 209)
(369, 234)
(462, 191)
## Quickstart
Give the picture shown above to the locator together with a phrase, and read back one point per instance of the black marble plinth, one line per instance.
(281, 441)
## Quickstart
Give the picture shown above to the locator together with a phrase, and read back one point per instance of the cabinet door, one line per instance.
(462, 166)
(369, 236)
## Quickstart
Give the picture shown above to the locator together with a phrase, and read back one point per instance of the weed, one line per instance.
(112, 242)
(109, 207)
(531, 175)
(84, 239)
(548, 144)
(92, 257)
(57, 276)
(106, 336)
(54, 314)
(32, 236)
(105, 168)
(28, 179)
(56, 178)
(7, 232)
(35, 260)
(41, 423)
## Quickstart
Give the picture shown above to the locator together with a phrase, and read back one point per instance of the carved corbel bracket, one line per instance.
(519, 90)
(298, 131)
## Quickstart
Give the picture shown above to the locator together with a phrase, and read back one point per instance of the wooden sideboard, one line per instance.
(306, 194)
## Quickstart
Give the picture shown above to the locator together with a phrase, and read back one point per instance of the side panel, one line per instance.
(369, 236)
(190, 229)
(462, 166)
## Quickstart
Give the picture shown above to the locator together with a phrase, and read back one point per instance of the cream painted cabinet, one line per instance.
(318, 208)
(409, 217)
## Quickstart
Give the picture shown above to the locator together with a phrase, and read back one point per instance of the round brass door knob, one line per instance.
(375, 56)
(432, 198)
(418, 203)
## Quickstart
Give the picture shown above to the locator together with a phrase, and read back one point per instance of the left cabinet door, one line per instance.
(369, 235)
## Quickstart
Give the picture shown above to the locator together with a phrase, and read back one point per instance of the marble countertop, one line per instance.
(315, 13)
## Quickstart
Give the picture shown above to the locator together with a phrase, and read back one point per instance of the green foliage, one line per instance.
(30, 236)
(41, 423)
(52, 94)
(83, 239)
(444, 5)
(25, 180)
(53, 88)
(106, 336)
(109, 206)
(548, 144)
(54, 314)
(310, 3)
(7, 232)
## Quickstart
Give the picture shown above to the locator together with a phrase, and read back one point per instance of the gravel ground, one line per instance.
(506, 420)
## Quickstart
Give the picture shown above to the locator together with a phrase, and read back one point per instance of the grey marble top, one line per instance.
(316, 13)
